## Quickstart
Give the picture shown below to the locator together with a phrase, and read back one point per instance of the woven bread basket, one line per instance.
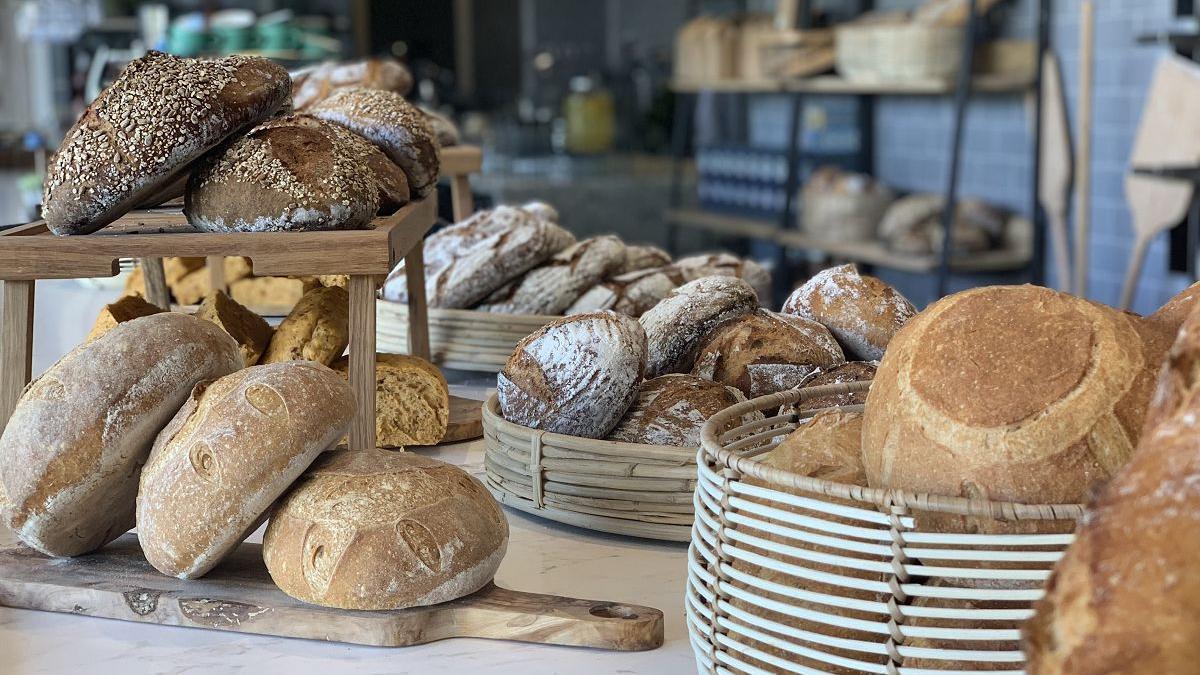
(462, 339)
(898, 52)
(609, 486)
(788, 573)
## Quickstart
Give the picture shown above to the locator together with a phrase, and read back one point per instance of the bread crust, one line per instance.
(318, 82)
(862, 312)
(412, 400)
(676, 325)
(551, 287)
(671, 409)
(633, 293)
(317, 328)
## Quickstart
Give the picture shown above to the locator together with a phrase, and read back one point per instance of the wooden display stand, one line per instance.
(458, 163)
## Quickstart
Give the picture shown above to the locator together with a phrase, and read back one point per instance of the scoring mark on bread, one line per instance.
(205, 463)
(421, 542)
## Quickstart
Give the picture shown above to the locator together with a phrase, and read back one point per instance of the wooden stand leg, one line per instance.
(16, 345)
(156, 282)
(216, 273)
(418, 321)
(460, 198)
(362, 360)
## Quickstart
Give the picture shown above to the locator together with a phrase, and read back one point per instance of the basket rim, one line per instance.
(711, 448)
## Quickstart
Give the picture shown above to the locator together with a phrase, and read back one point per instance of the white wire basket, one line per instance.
(792, 574)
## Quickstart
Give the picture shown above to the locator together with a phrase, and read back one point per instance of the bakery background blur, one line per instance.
(575, 102)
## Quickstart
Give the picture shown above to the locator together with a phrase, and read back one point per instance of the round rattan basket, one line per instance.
(620, 488)
(793, 574)
(463, 339)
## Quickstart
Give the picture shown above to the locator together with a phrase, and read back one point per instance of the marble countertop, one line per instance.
(543, 557)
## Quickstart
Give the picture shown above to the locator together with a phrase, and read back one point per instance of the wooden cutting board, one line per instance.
(117, 583)
(466, 420)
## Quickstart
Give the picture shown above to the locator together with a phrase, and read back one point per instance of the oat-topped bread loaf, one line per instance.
(633, 293)
(233, 448)
(412, 400)
(726, 265)
(316, 83)
(161, 114)
(75, 444)
(379, 529)
(317, 328)
(862, 312)
(1009, 393)
(843, 373)
(676, 326)
(576, 375)
(126, 308)
(399, 129)
(553, 286)
(283, 176)
(670, 410)
(764, 352)
(643, 257)
(541, 210)
(251, 331)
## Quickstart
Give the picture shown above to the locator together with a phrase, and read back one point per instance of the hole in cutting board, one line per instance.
(614, 612)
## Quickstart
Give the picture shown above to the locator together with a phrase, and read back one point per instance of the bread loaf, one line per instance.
(271, 291)
(378, 529)
(675, 327)
(75, 444)
(188, 279)
(161, 114)
(576, 375)
(553, 286)
(670, 410)
(251, 331)
(412, 400)
(541, 210)
(913, 224)
(444, 129)
(317, 328)
(642, 257)
(844, 373)
(862, 312)
(234, 447)
(1170, 316)
(126, 308)
(726, 265)
(764, 352)
(633, 293)
(317, 82)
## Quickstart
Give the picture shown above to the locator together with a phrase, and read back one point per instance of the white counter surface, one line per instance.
(543, 557)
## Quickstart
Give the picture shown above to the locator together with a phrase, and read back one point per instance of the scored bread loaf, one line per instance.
(726, 265)
(126, 308)
(671, 409)
(551, 287)
(162, 113)
(862, 312)
(233, 448)
(412, 400)
(843, 373)
(251, 331)
(633, 293)
(541, 210)
(317, 328)
(75, 444)
(576, 375)
(643, 257)
(378, 529)
(675, 326)
(764, 352)
(316, 83)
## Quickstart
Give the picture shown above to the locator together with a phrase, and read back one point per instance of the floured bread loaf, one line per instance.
(675, 326)
(541, 210)
(670, 410)
(75, 444)
(726, 265)
(633, 293)
(316, 83)
(378, 529)
(235, 446)
(412, 400)
(552, 287)
(161, 114)
(642, 257)
(764, 352)
(126, 308)
(251, 331)
(576, 375)
(317, 329)
(862, 312)
(843, 373)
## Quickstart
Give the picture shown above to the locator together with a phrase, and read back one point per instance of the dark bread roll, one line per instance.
(671, 409)
(862, 312)
(676, 326)
(141, 133)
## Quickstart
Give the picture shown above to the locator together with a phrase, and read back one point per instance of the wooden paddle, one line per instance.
(1054, 182)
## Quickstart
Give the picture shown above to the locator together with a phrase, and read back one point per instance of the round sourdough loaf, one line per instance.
(576, 375)
(862, 312)
(230, 451)
(316, 83)
(642, 257)
(551, 287)
(379, 529)
(398, 127)
(726, 265)
(764, 352)
(675, 326)
(1008, 393)
(541, 210)
(670, 410)
(75, 444)
(140, 134)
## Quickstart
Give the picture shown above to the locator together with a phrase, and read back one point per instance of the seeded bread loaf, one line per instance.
(633, 293)
(317, 328)
(641, 257)
(862, 312)
(161, 114)
(233, 448)
(75, 444)
(670, 410)
(412, 400)
(551, 287)
(676, 326)
(316, 83)
(126, 308)
(576, 375)
(378, 529)
(251, 331)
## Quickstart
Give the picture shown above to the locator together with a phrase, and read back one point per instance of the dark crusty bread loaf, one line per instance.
(379, 529)
(233, 448)
(551, 287)
(576, 375)
(444, 129)
(633, 293)
(862, 312)
(75, 444)
(843, 373)
(162, 113)
(676, 326)
(316, 83)
(671, 409)
(1125, 598)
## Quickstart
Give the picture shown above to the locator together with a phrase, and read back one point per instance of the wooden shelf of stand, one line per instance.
(458, 162)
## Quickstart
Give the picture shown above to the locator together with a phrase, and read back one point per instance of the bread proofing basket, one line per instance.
(462, 339)
(793, 574)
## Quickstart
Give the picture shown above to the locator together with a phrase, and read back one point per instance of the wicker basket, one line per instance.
(898, 52)
(462, 339)
(622, 488)
(939, 599)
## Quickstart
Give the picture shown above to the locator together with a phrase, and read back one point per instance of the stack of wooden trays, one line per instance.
(462, 339)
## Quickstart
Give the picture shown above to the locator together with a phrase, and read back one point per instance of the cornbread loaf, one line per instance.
(379, 529)
(317, 328)
(633, 293)
(251, 331)
(642, 257)
(553, 286)
(541, 210)
(843, 373)
(75, 444)
(316, 83)
(1008, 393)
(670, 410)
(126, 308)
(764, 352)
(412, 400)
(676, 326)
(393, 124)
(282, 177)
(726, 265)
(445, 130)
(862, 312)
(1123, 599)
(576, 375)
(271, 291)
(143, 131)
(233, 448)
